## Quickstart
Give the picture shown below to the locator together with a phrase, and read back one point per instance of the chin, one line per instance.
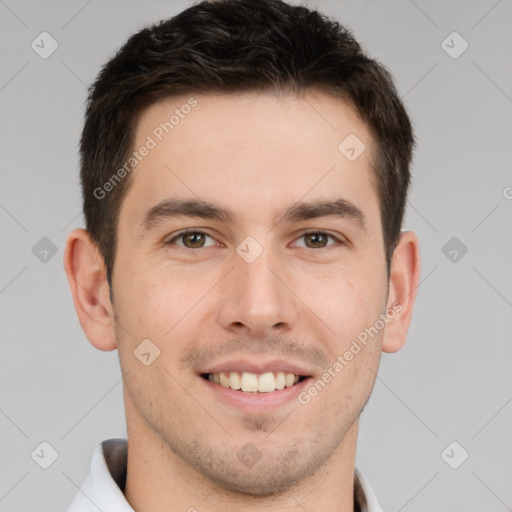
(270, 475)
(258, 481)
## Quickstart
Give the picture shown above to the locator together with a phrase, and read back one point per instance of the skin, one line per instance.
(255, 154)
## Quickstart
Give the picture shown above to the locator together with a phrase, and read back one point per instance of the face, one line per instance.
(250, 254)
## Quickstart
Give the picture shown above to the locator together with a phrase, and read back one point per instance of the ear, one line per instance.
(85, 270)
(403, 285)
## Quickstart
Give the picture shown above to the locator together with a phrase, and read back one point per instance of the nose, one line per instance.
(256, 299)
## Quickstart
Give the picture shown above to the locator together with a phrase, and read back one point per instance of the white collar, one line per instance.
(102, 490)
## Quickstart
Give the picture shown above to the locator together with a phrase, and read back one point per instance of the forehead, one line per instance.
(251, 151)
(251, 118)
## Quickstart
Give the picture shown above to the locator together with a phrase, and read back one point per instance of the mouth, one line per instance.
(249, 382)
(256, 386)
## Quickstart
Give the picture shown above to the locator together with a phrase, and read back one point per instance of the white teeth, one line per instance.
(234, 380)
(224, 379)
(290, 379)
(252, 382)
(280, 380)
(266, 382)
(249, 382)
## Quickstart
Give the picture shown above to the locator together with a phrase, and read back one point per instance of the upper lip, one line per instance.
(258, 366)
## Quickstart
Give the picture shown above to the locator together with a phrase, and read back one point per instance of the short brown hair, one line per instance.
(238, 46)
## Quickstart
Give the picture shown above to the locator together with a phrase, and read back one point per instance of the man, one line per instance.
(244, 171)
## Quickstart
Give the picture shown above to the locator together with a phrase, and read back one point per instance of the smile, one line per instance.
(253, 382)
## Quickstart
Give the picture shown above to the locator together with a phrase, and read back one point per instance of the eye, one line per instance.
(191, 239)
(194, 239)
(317, 240)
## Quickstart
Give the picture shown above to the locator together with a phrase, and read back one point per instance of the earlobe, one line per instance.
(403, 286)
(85, 271)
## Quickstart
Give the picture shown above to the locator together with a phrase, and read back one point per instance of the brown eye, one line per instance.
(191, 240)
(316, 240)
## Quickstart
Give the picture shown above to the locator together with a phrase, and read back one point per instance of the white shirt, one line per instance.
(103, 488)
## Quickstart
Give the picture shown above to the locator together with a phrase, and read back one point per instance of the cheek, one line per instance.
(346, 304)
(171, 306)
(152, 300)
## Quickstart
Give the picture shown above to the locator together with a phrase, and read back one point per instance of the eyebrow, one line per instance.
(175, 208)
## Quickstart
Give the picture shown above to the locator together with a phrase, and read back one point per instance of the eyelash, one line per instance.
(196, 231)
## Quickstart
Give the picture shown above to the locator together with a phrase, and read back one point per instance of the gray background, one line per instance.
(451, 382)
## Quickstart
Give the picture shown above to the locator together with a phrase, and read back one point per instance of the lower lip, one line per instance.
(255, 402)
